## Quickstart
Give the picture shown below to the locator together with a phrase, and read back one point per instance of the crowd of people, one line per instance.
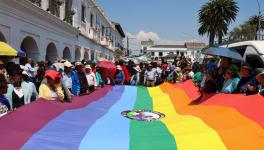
(23, 83)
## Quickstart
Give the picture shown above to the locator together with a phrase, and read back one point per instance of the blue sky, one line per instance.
(167, 18)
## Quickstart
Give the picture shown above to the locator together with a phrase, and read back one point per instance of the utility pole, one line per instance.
(259, 20)
(127, 46)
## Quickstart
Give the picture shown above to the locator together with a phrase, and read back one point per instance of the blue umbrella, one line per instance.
(223, 52)
(21, 53)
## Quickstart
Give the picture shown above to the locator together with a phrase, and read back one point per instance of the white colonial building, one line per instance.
(55, 29)
(165, 51)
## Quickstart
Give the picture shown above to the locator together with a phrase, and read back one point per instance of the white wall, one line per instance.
(20, 19)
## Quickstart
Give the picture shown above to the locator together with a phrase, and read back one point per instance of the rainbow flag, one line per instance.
(94, 122)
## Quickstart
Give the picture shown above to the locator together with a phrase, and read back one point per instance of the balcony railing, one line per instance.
(54, 7)
(36, 2)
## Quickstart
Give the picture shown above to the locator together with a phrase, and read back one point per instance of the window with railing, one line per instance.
(36, 2)
(91, 20)
(54, 7)
(83, 14)
(69, 12)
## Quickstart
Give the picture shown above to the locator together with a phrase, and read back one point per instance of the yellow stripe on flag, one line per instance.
(190, 132)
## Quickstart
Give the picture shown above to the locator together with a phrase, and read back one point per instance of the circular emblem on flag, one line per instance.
(143, 115)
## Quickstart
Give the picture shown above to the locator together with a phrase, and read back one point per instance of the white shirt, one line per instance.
(151, 75)
(31, 71)
(159, 71)
(91, 79)
(67, 80)
(19, 92)
(191, 74)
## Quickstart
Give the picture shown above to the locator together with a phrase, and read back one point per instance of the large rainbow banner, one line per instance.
(94, 122)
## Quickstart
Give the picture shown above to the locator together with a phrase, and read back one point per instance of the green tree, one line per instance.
(215, 16)
(244, 32)
(254, 21)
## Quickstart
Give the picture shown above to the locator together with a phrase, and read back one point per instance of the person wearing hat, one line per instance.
(119, 76)
(19, 91)
(62, 61)
(50, 88)
(70, 79)
(92, 83)
(198, 76)
(82, 78)
(136, 77)
(248, 82)
(231, 80)
(260, 78)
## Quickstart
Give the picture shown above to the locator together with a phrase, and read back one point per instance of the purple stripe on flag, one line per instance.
(68, 129)
(17, 127)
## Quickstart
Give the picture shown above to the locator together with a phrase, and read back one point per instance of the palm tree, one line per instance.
(244, 32)
(254, 21)
(215, 17)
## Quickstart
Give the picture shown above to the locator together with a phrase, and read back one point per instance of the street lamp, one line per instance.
(259, 20)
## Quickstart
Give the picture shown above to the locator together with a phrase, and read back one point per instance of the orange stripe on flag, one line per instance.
(237, 131)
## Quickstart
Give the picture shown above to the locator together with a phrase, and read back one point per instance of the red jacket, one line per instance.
(127, 75)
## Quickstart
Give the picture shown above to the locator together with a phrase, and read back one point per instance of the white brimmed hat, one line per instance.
(67, 64)
(118, 67)
(88, 67)
(78, 64)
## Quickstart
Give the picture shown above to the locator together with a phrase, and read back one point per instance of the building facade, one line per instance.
(161, 51)
(187, 49)
(55, 29)
(145, 45)
(194, 50)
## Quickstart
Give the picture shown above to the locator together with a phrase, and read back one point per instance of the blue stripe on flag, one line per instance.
(111, 132)
(68, 129)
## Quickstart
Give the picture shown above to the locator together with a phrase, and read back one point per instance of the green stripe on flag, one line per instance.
(149, 135)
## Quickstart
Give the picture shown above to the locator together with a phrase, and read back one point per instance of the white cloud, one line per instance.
(143, 36)
(135, 39)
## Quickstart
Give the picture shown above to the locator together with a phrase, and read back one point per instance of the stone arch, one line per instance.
(86, 55)
(29, 45)
(92, 55)
(2, 37)
(51, 52)
(67, 54)
(77, 54)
